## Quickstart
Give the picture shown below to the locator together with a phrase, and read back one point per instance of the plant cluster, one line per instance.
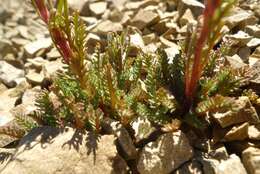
(113, 84)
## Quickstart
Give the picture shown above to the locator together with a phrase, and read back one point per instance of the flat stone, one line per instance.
(251, 160)
(34, 78)
(240, 17)
(37, 63)
(98, 8)
(237, 133)
(41, 44)
(186, 18)
(3, 88)
(50, 69)
(253, 43)
(5, 47)
(244, 112)
(254, 132)
(142, 128)
(65, 151)
(195, 6)
(145, 18)
(107, 26)
(166, 154)
(253, 30)
(124, 140)
(241, 38)
(231, 166)
(9, 74)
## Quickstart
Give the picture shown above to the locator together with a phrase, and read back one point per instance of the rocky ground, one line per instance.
(28, 60)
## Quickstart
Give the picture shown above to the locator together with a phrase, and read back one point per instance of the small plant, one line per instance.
(114, 84)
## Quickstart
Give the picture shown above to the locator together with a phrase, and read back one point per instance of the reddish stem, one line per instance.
(197, 67)
(43, 10)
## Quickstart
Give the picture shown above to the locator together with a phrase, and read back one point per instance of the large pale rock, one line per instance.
(251, 160)
(49, 150)
(143, 128)
(164, 155)
(34, 78)
(123, 138)
(9, 74)
(255, 76)
(253, 30)
(244, 112)
(50, 69)
(193, 167)
(237, 133)
(186, 18)
(254, 132)
(98, 8)
(107, 26)
(5, 47)
(240, 17)
(231, 166)
(195, 6)
(145, 18)
(32, 48)
(241, 38)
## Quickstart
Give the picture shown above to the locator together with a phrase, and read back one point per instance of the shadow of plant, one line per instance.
(4, 156)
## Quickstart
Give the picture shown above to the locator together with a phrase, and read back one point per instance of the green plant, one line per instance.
(114, 84)
(124, 87)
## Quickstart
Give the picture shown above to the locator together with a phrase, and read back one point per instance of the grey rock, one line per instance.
(239, 132)
(65, 151)
(245, 112)
(145, 18)
(236, 62)
(254, 132)
(98, 8)
(193, 167)
(34, 78)
(253, 43)
(253, 30)
(107, 26)
(9, 74)
(166, 154)
(195, 6)
(41, 44)
(50, 69)
(123, 137)
(241, 38)
(186, 18)
(244, 53)
(231, 166)
(251, 160)
(5, 47)
(255, 76)
(240, 18)
(143, 128)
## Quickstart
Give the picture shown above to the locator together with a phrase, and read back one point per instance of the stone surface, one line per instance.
(98, 8)
(245, 112)
(145, 18)
(254, 132)
(251, 160)
(142, 128)
(231, 166)
(237, 133)
(240, 17)
(124, 140)
(107, 26)
(164, 155)
(32, 48)
(9, 74)
(65, 151)
(195, 6)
